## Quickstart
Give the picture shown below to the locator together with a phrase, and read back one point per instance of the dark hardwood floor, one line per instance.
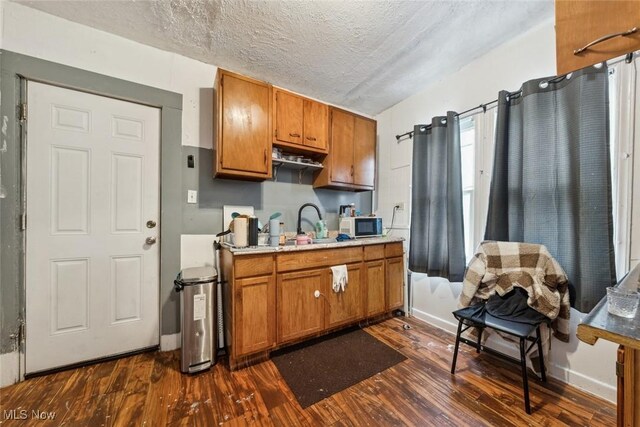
(149, 390)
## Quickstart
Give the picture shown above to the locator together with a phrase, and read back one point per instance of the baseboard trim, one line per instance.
(561, 373)
(170, 342)
(9, 368)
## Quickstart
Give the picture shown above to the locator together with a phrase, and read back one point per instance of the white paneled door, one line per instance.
(92, 279)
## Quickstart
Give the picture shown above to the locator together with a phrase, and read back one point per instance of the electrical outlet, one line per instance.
(400, 206)
(192, 196)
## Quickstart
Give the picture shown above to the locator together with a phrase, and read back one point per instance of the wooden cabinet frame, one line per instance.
(243, 152)
(281, 290)
(299, 124)
(351, 162)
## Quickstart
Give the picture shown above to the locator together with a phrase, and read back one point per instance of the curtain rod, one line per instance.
(628, 58)
(482, 107)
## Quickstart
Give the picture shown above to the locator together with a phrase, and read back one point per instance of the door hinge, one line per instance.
(23, 222)
(22, 114)
(620, 369)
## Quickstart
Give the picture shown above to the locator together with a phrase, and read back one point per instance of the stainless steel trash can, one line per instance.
(197, 320)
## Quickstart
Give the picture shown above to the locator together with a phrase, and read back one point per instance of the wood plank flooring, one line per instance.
(149, 390)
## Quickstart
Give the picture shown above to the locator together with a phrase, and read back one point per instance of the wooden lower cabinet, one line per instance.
(300, 312)
(274, 300)
(375, 284)
(628, 371)
(395, 282)
(254, 308)
(348, 306)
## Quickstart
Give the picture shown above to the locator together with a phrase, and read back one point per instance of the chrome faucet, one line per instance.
(300, 215)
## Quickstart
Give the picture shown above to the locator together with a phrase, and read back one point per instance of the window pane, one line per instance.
(467, 204)
(468, 166)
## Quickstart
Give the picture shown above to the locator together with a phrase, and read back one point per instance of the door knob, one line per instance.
(151, 223)
(150, 240)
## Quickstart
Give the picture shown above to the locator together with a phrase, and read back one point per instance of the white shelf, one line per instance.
(289, 164)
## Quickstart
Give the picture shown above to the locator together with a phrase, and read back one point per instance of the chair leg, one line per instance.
(525, 380)
(455, 351)
(543, 374)
(479, 343)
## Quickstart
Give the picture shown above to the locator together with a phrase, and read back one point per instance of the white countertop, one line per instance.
(291, 248)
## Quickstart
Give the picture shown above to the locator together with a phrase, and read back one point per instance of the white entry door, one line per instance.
(92, 184)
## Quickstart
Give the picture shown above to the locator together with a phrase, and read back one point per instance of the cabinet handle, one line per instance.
(295, 135)
(604, 39)
(351, 170)
(311, 138)
(265, 156)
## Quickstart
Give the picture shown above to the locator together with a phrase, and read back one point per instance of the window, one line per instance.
(476, 146)
(467, 151)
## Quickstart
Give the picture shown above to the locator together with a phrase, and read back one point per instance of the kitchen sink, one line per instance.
(314, 242)
(318, 241)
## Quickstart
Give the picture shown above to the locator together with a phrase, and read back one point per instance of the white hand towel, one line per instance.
(340, 278)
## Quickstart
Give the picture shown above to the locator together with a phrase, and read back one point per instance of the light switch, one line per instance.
(192, 196)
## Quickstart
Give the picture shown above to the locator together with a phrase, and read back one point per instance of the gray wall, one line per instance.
(285, 195)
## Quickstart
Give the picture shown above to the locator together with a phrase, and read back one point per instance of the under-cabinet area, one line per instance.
(283, 297)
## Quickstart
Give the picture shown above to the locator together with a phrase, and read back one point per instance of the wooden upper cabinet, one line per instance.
(578, 23)
(300, 123)
(351, 162)
(316, 125)
(288, 117)
(364, 152)
(341, 158)
(243, 126)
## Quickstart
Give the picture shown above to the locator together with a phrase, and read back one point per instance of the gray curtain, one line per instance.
(551, 180)
(437, 234)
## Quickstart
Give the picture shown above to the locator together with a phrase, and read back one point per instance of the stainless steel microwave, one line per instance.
(361, 226)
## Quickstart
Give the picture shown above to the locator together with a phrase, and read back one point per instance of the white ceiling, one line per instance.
(363, 55)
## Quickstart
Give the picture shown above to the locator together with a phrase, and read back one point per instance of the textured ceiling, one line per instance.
(364, 55)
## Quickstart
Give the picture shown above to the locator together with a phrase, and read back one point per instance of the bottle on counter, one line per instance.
(283, 237)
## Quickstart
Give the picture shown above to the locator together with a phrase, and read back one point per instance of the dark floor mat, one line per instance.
(316, 370)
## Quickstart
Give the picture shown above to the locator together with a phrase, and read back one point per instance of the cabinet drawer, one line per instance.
(393, 250)
(373, 252)
(299, 260)
(246, 266)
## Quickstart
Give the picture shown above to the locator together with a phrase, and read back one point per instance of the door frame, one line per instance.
(16, 70)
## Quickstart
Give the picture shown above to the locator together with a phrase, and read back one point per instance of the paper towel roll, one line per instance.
(274, 232)
(241, 232)
(274, 227)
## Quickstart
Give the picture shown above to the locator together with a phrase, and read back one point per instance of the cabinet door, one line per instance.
(316, 124)
(364, 152)
(342, 127)
(288, 120)
(375, 283)
(347, 306)
(581, 22)
(245, 143)
(395, 282)
(300, 313)
(254, 315)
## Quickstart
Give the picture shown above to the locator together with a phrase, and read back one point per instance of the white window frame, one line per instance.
(623, 118)
(484, 124)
